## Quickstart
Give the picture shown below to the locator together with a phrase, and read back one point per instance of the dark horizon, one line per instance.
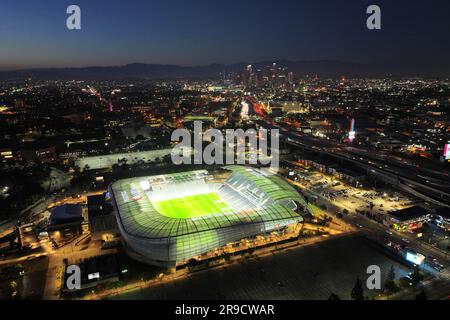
(321, 68)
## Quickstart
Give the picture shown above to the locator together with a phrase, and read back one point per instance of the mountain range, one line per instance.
(322, 68)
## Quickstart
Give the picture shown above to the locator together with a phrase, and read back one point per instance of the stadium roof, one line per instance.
(141, 219)
(277, 188)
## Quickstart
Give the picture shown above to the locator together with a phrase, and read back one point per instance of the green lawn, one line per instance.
(189, 207)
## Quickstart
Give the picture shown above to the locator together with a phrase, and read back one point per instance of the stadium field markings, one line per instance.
(192, 206)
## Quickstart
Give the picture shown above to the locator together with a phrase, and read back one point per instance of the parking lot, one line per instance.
(354, 199)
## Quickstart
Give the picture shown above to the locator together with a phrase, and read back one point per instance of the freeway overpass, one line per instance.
(398, 175)
(416, 188)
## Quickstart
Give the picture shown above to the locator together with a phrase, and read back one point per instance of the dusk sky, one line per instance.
(197, 32)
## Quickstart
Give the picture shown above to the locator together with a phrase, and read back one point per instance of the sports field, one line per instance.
(193, 206)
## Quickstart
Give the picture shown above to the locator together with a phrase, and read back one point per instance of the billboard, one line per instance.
(352, 132)
(135, 194)
(352, 135)
(94, 275)
(415, 258)
(447, 152)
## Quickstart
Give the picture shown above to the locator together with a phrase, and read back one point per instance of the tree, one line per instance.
(404, 282)
(167, 159)
(139, 137)
(12, 290)
(391, 274)
(390, 284)
(357, 291)
(417, 276)
(334, 296)
(122, 161)
(422, 296)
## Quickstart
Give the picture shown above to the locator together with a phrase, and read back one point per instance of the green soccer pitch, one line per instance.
(193, 206)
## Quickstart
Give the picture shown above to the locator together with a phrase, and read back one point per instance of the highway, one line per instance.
(430, 185)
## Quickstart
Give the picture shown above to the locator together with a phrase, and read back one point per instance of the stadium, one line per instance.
(166, 220)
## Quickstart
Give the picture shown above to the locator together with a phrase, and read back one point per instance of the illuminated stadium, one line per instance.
(168, 219)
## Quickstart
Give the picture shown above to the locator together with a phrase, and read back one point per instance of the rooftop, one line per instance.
(409, 213)
(66, 212)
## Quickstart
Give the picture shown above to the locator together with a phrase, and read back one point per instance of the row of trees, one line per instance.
(391, 286)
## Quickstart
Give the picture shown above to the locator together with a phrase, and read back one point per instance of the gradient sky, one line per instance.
(197, 32)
